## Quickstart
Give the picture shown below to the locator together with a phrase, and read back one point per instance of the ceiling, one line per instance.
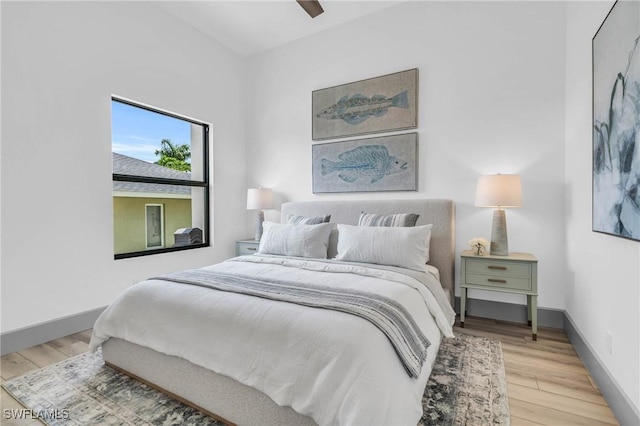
(251, 27)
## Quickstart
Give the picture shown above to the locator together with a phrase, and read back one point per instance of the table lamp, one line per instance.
(259, 199)
(499, 191)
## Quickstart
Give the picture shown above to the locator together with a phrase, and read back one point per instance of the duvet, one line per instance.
(333, 366)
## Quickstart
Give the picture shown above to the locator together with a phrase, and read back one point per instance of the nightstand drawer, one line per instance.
(505, 282)
(247, 247)
(498, 268)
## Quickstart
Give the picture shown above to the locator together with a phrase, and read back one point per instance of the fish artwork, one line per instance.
(367, 161)
(358, 108)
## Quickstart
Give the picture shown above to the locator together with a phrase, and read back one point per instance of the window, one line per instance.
(160, 180)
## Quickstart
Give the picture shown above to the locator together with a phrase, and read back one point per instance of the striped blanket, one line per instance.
(386, 314)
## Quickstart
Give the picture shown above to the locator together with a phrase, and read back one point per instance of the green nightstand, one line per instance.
(515, 273)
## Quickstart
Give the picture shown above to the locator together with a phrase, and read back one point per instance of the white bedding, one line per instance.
(334, 367)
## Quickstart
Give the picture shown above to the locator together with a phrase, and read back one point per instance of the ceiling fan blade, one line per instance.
(312, 7)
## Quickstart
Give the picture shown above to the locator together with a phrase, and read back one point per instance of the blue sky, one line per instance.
(137, 132)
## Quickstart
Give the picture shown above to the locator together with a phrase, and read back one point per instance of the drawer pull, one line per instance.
(493, 280)
(499, 268)
(252, 248)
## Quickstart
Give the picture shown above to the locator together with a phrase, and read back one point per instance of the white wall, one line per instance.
(602, 291)
(491, 99)
(61, 62)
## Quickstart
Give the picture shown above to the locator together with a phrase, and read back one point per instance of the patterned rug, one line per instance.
(467, 387)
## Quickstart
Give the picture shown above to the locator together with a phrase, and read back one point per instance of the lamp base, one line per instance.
(259, 220)
(499, 244)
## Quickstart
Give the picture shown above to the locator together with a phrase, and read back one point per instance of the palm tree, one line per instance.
(174, 156)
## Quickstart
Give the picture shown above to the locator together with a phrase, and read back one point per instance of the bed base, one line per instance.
(170, 394)
(218, 396)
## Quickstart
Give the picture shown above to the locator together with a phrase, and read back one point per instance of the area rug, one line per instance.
(467, 387)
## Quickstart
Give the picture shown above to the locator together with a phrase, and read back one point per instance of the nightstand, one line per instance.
(247, 247)
(515, 273)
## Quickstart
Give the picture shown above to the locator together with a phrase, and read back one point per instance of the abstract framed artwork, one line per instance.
(374, 105)
(386, 163)
(616, 122)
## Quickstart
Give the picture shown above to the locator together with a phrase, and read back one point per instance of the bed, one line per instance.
(262, 360)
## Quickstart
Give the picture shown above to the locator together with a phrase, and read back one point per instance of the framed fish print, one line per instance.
(616, 123)
(386, 163)
(374, 105)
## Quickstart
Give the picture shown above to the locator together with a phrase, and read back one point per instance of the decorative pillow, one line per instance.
(295, 240)
(308, 220)
(400, 219)
(407, 247)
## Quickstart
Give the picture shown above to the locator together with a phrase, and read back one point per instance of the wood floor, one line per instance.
(547, 382)
(548, 385)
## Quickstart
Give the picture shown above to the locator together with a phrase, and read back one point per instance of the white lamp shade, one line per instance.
(499, 191)
(259, 198)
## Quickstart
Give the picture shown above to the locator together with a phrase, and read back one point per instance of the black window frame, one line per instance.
(204, 183)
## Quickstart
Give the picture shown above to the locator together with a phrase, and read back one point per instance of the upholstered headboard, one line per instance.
(440, 213)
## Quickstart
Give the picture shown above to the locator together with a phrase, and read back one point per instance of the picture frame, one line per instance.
(374, 105)
(385, 163)
(616, 155)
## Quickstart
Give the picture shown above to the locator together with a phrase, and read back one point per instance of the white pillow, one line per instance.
(407, 247)
(295, 240)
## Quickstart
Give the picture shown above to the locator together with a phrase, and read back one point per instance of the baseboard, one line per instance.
(622, 407)
(511, 312)
(13, 341)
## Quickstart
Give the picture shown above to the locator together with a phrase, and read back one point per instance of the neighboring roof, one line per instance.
(132, 166)
(125, 165)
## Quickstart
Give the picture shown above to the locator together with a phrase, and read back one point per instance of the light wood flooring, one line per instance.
(548, 385)
(547, 382)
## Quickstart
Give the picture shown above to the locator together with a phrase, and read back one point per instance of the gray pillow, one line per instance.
(301, 220)
(400, 219)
